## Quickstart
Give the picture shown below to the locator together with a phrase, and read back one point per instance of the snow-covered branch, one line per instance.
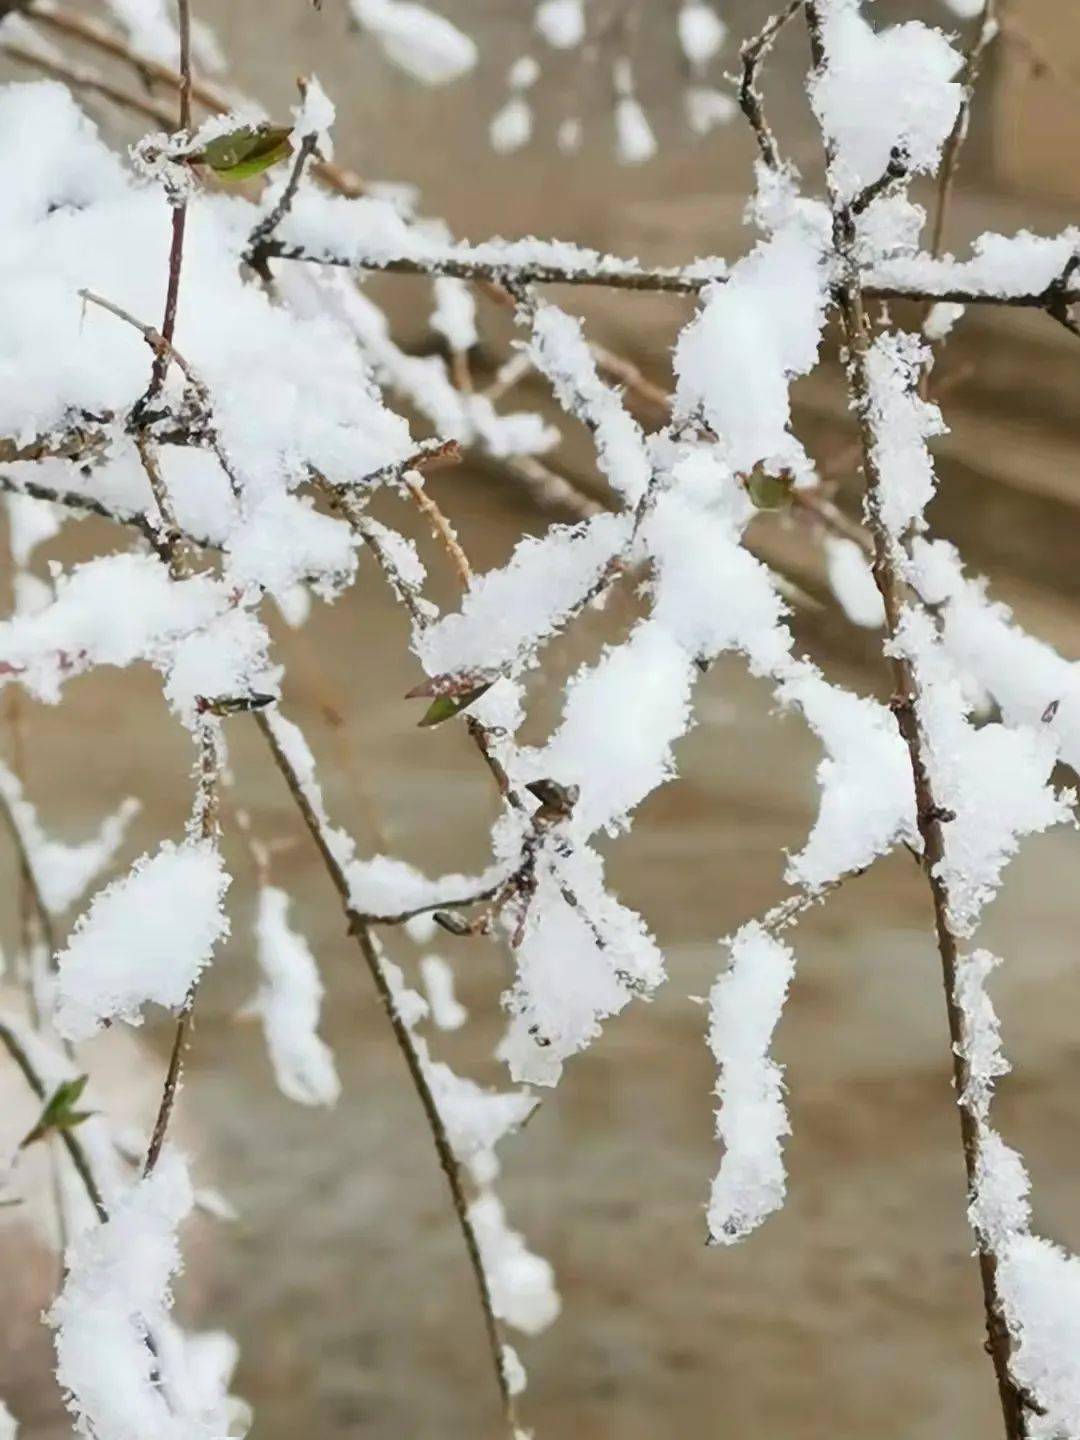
(206, 372)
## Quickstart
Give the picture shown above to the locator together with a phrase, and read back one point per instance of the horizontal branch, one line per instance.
(428, 455)
(463, 263)
(87, 505)
(460, 902)
(86, 80)
(1029, 300)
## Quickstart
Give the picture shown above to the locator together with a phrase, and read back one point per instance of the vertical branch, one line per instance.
(36, 927)
(361, 930)
(205, 817)
(203, 826)
(988, 27)
(179, 216)
(905, 706)
(751, 102)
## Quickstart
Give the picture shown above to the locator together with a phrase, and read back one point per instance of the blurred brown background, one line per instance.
(856, 1311)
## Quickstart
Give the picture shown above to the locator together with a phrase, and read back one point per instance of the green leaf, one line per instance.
(769, 492)
(59, 1112)
(445, 707)
(246, 152)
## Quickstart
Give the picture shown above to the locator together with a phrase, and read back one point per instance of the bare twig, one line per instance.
(628, 374)
(440, 525)
(547, 488)
(30, 879)
(179, 214)
(428, 455)
(162, 346)
(987, 29)
(168, 539)
(86, 81)
(895, 171)
(260, 236)
(751, 102)
(87, 505)
(782, 916)
(360, 927)
(204, 826)
(461, 902)
(72, 25)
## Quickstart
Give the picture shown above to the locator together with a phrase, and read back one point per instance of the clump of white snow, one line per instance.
(288, 1002)
(145, 939)
(744, 1006)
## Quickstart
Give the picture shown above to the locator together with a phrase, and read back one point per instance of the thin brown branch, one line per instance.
(72, 25)
(204, 826)
(625, 275)
(429, 455)
(444, 532)
(350, 507)
(179, 214)
(958, 295)
(168, 539)
(29, 876)
(260, 236)
(86, 82)
(907, 708)
(987, 28)
(548, 489)
(629, 375)
(206, 805)
(162, 346)
(87, 505)
(165, 351)
(71, 1142)
(782, 916)
(751, 102)
(173, 1074)
(360, 927)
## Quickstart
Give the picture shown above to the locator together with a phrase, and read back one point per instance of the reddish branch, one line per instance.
(179, 216)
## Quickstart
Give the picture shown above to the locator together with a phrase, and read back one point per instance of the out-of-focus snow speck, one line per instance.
(418, 39)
